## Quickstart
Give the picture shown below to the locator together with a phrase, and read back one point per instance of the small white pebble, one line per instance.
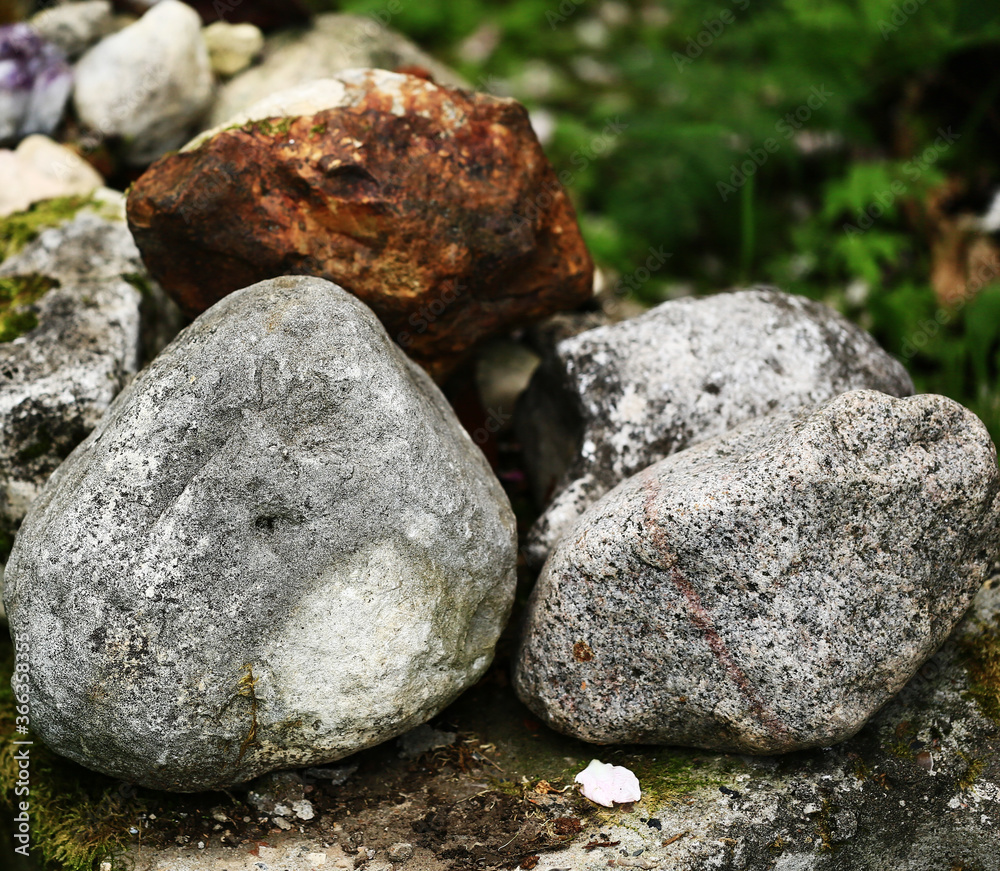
(606, 784)
(303, 809)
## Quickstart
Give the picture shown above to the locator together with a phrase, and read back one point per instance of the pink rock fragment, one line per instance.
(606, 784)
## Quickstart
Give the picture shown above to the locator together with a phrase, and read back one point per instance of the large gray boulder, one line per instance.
(147, 84)
(279, 547)
(768, 590)
(334, 42)
(74, 326)
(610, 401)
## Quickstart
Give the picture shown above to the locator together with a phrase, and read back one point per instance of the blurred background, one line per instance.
(846, 150)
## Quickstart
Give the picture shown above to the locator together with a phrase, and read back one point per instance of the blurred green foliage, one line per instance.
(755, 134)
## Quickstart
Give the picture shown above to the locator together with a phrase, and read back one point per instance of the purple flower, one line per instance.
(35, 81)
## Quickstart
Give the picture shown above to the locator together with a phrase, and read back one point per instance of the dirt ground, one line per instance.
(496, 797)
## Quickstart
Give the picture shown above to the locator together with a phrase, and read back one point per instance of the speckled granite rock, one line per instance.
(70, 339)
(279, 547)
(769, 590)
(610, 401)
(333, 43)
(167, 87)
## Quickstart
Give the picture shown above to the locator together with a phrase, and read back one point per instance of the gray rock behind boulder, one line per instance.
(610, 401)
(770, 589)
(57, 380)
(279, 547)
(333, 43)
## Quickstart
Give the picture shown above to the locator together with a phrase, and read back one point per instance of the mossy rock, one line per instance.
(19, 229)
(17, 293)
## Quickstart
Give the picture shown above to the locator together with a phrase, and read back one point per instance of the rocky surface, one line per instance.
(75, 27)
(35, 82)
(71, 331)
(917, 788)
(279, 547)
(769, 590)
(40, 169)
(168, 86)
(436, 207)
(334, 43)
(232, 47)
(610, 401)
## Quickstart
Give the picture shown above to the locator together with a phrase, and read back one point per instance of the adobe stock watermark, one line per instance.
(566, 9)
(928, 328)
(901, 13)
(422, 319)
(496, 419)
(22, 751)
(713, 28)
(912, 169)
(635, 279)
(152, 79)
(378, 21)
(580, 160)
(787, 126)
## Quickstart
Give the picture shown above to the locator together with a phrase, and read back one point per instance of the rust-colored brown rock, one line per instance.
(435, 206)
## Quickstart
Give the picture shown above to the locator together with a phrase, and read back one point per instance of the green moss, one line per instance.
(318, 129)
(19, 229)
(78, 817)
(140, 281)
(972, 773)
(860, 769)
(269, 126)
(981, 657)
(823, 827)
(17, 292)
(673, 773)
(902, 746)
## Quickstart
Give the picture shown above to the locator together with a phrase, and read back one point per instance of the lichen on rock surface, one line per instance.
(436, 207)
(17, 293)
(73, 331)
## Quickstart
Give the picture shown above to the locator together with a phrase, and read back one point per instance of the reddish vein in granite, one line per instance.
(700, 617)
